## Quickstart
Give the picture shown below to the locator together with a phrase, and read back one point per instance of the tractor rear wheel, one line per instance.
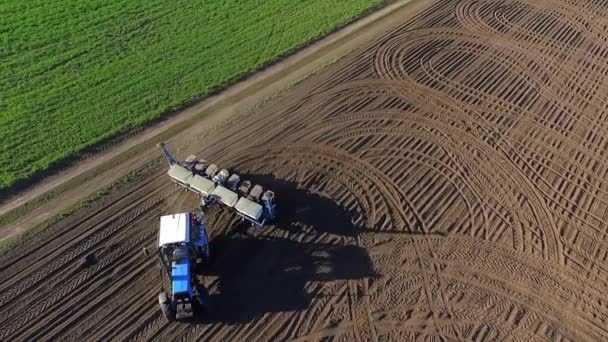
(166, 307)
(203, 261)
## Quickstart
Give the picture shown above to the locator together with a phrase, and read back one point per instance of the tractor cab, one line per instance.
(182, 245)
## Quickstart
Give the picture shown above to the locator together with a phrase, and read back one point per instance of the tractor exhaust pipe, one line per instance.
(168, 155)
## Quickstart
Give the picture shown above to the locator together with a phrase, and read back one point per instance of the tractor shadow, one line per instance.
(283, 267)
(256, 277)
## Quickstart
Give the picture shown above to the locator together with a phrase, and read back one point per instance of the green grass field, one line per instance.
(75, 72)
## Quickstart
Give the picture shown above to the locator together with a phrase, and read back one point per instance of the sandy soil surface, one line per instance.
(447, 182)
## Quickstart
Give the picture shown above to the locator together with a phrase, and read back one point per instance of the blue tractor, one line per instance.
(183, 242)
(183, 248)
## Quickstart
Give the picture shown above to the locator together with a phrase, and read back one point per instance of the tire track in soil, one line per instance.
(467, 149)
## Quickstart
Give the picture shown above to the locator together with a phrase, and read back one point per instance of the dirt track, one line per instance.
(448, 180)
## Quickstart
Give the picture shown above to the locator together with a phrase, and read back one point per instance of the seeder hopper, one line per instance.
(218, 186)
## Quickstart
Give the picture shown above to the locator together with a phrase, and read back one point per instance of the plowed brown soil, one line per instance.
(447, 182)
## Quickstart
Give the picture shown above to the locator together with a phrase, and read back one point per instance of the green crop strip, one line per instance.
(75, 73)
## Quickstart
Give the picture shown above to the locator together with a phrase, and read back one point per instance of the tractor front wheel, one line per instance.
(166, 307)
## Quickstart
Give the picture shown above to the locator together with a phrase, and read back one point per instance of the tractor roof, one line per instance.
(174, 228)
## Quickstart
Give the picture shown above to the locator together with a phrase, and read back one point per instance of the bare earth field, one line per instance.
(447, 182)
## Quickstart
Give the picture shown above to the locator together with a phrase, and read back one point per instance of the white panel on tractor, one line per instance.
(249, 208)
(174, 228)
(225, 196)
